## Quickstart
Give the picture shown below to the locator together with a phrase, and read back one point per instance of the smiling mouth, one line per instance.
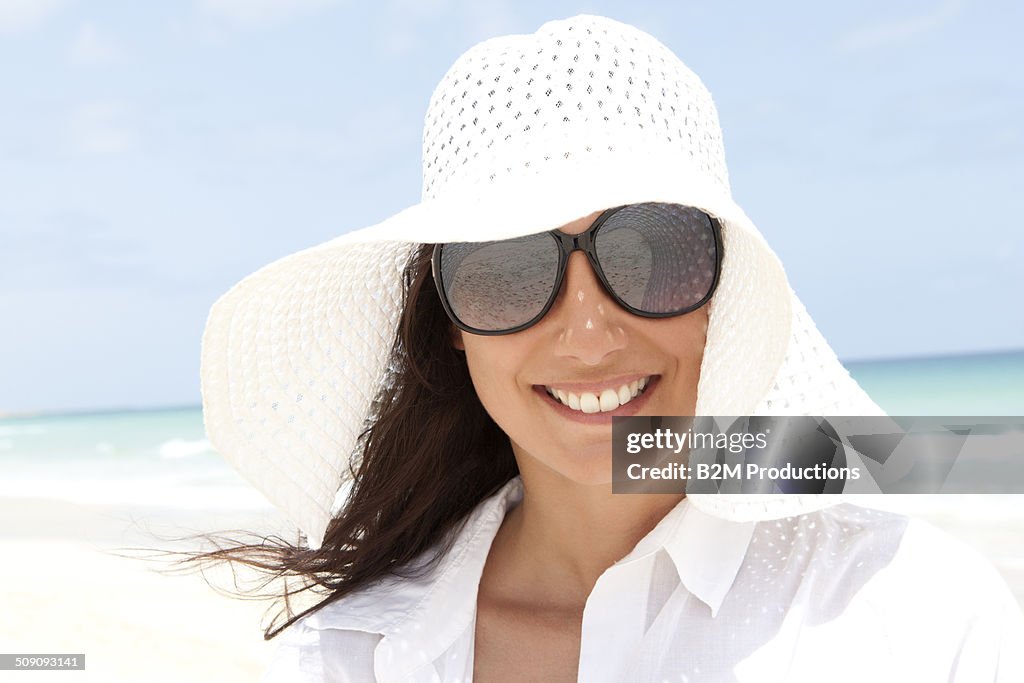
(605, 401)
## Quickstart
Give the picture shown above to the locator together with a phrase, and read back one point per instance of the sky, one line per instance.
(153, 154)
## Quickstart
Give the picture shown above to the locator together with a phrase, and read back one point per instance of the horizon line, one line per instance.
(84, 412)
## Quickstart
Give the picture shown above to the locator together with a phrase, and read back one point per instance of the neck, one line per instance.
(564, 534)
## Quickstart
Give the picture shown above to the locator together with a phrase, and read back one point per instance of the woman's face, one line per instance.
(586, 349)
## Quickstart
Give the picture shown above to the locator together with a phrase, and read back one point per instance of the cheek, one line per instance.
(493, 365)
(686, 338)
(699, 334)
(682, 342)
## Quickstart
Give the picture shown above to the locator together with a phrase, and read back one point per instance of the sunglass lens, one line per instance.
(658, 258)
(498, 286)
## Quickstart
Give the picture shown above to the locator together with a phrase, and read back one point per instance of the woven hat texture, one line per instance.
(524, 133)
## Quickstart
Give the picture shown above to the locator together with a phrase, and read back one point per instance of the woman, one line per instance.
(436, 419)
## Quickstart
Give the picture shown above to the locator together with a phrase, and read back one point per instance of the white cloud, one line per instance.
(92, 47)
(103, 129)
(897, 32)
(16, 15)
(260, 12)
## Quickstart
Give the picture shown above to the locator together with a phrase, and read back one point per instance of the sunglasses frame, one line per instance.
(567, 244)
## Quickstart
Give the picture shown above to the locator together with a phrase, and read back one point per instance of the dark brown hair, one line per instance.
(427, 456)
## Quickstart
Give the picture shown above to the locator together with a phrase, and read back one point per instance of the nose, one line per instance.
(588, 322)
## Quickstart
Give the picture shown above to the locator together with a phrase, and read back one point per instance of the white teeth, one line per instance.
(574, 401)
(608, 400)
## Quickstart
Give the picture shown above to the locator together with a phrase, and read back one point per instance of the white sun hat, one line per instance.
(524, 133)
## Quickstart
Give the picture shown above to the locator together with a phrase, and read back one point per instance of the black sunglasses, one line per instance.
(655, 260)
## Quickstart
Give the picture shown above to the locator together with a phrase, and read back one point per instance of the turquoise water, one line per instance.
(984, 384)
(161, 457)
(142, 457)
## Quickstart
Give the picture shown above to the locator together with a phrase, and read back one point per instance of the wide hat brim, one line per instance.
(294, 354)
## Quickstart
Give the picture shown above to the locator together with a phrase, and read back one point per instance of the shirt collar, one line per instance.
(420, 617)
(707, 551)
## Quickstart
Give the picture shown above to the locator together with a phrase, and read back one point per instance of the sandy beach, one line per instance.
(63, 591)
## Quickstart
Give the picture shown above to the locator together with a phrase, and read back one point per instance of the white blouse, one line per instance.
(841, 594)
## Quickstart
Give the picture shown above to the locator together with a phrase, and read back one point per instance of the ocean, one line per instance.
(161, 457)
(982, 384)
(138, 457)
